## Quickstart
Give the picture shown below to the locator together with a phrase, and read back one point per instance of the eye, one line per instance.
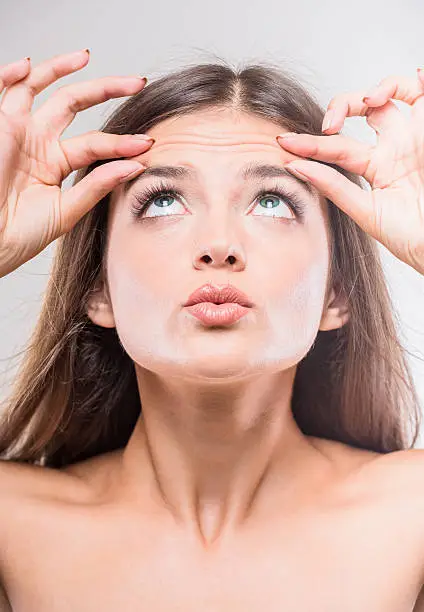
(163, 201)
(269, 201)
(158, 200)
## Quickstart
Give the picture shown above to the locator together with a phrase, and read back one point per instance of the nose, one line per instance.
(219, 243)
(220, 255)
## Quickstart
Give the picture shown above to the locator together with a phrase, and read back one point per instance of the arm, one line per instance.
(4, 601)
(419, 604)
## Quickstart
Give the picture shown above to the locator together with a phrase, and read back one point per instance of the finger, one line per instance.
(338, 149)
(83, 196)
(359, 103)
(10, 73)
(19, 97)
(334, 118)
(60, 109)
(389, 123)
(349, 197)
(342, 106)
(83, 150)
(398, 87)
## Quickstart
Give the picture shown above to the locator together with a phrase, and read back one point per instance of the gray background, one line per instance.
(332, 46)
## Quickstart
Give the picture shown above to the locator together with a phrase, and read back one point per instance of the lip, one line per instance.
(219, 294)
(214, 315)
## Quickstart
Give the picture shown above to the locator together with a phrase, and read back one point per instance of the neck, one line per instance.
(217, 454)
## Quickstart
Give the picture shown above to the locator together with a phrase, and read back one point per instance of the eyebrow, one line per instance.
(251, 171)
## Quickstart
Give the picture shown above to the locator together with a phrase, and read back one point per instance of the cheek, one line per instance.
(135, 288)
(139, 269)
(292, 269)
(306, 296)
(137, 308)
(296, 294)
(300, 299)
(140, 279)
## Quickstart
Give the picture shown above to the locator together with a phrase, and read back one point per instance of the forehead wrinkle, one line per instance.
(253, 170)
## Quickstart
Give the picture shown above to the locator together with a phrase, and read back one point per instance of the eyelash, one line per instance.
(144, 198)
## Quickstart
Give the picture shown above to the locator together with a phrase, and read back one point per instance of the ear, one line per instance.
(98, 307)
(335, 313)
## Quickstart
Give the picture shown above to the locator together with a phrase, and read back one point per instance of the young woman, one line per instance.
(214, 411)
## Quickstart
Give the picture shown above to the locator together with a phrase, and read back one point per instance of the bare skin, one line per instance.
(217, 439)
(218, 501)
(351, 538)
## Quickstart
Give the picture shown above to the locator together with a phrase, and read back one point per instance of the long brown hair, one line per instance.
(76, 393)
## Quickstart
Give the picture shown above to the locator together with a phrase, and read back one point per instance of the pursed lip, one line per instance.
(218, 294)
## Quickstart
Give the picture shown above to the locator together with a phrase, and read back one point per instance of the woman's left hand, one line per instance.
(393, 211)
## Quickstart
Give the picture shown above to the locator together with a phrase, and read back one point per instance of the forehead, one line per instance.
(217, 126)
(215, 143)
(219, 132)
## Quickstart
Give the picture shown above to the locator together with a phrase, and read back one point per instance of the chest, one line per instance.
(355, 560)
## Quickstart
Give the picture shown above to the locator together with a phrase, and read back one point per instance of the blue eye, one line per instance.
(269, 201)
(161, 198)
(160, 203)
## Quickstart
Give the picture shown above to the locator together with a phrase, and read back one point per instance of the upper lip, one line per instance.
(218, 294)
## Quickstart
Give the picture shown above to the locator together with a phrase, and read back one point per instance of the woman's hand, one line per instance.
(393, 211)
(33, 162)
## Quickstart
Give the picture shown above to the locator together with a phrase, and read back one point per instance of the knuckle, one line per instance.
(67, 95)
(390, 81)
(90, 142)
(91, 151)
(96, 138)
(93, 134)
(30, 85)
(342, 157)
(333, 102)
(53, 69)
(53, 73)
(391, 78)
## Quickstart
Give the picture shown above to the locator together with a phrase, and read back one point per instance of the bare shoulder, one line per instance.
(397, 476)
(397, 463)
(402, 469)
(79, 481)
(22, 487)
(20, 480)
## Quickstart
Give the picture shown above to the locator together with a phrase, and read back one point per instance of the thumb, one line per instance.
(85, 194)
(347, 196)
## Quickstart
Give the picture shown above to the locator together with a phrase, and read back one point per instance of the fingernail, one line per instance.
(287, 135)
(296, 172)
(143, 137)
(143, 79)
(371, 93)
(328, 120)
(133, 172)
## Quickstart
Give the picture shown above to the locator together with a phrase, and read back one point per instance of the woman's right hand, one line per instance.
(34, 162)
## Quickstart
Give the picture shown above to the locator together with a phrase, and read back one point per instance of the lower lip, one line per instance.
(218, 314)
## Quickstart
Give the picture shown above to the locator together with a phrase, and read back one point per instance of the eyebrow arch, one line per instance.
(251, 171)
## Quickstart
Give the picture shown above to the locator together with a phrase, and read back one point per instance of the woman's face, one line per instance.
(154, 262)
